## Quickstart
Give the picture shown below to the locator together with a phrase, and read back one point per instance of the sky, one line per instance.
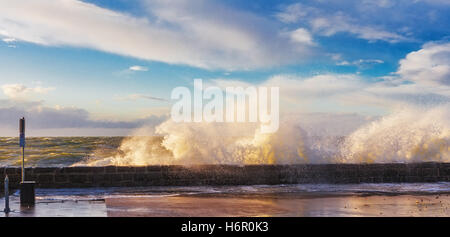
(102, 67)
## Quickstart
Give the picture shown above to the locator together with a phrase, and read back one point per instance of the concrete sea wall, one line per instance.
(116, 176)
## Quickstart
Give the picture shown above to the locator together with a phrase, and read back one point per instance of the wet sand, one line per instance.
(52, 208)
(379, 200)
(381, 206)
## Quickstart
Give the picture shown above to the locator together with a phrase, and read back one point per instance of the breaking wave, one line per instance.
(412, 135)
(409, 135)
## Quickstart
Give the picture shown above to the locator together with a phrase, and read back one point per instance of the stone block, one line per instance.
(46, 178)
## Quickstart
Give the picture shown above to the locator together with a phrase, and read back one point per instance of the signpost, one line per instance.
(27, 196)
(22, 144)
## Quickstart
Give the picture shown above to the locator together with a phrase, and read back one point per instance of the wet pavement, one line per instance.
(56, 208)
(417, 200)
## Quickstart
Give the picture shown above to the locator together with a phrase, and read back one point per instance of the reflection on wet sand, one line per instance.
(402, 205)
(385, 199)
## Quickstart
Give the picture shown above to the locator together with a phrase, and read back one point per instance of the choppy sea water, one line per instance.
(191, 147)
(56, 151)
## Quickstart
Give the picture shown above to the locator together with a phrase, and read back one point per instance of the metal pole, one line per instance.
(27, 195)
(7, 210)
(23, 164)
(22, 144)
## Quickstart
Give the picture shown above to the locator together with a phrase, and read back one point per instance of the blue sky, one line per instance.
(111, 65)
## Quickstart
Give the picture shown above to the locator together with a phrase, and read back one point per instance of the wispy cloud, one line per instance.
(138, 68)
(9, 40)
(293, 13)
(134, 97)
(360, 62)
(324, 23)
(328, 26)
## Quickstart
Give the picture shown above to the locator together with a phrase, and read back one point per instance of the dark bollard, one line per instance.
(6, 210)
(27, 197)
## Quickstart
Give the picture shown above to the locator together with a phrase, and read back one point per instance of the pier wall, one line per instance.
(118, 176)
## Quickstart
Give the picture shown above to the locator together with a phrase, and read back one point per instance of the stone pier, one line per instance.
(119, 176)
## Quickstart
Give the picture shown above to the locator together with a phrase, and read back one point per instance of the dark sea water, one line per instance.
(56, 151)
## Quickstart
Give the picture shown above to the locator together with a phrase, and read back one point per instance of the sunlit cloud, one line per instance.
(20, 91)
(174, 32)
(429, 65)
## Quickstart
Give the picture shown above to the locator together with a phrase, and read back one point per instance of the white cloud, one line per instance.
(302, 35)
(176, 32)
(429, 65)
(20, 91)
(138, 68)
(311, 94)
(328, 24)
(9, 40)
(337, 93)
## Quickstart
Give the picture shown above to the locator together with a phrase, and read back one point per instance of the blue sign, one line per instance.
(22, 140)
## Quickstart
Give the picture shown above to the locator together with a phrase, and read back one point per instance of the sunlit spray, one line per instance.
(241, 105)
(406, 135)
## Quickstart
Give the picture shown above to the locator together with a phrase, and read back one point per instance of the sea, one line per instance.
(56, 151)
